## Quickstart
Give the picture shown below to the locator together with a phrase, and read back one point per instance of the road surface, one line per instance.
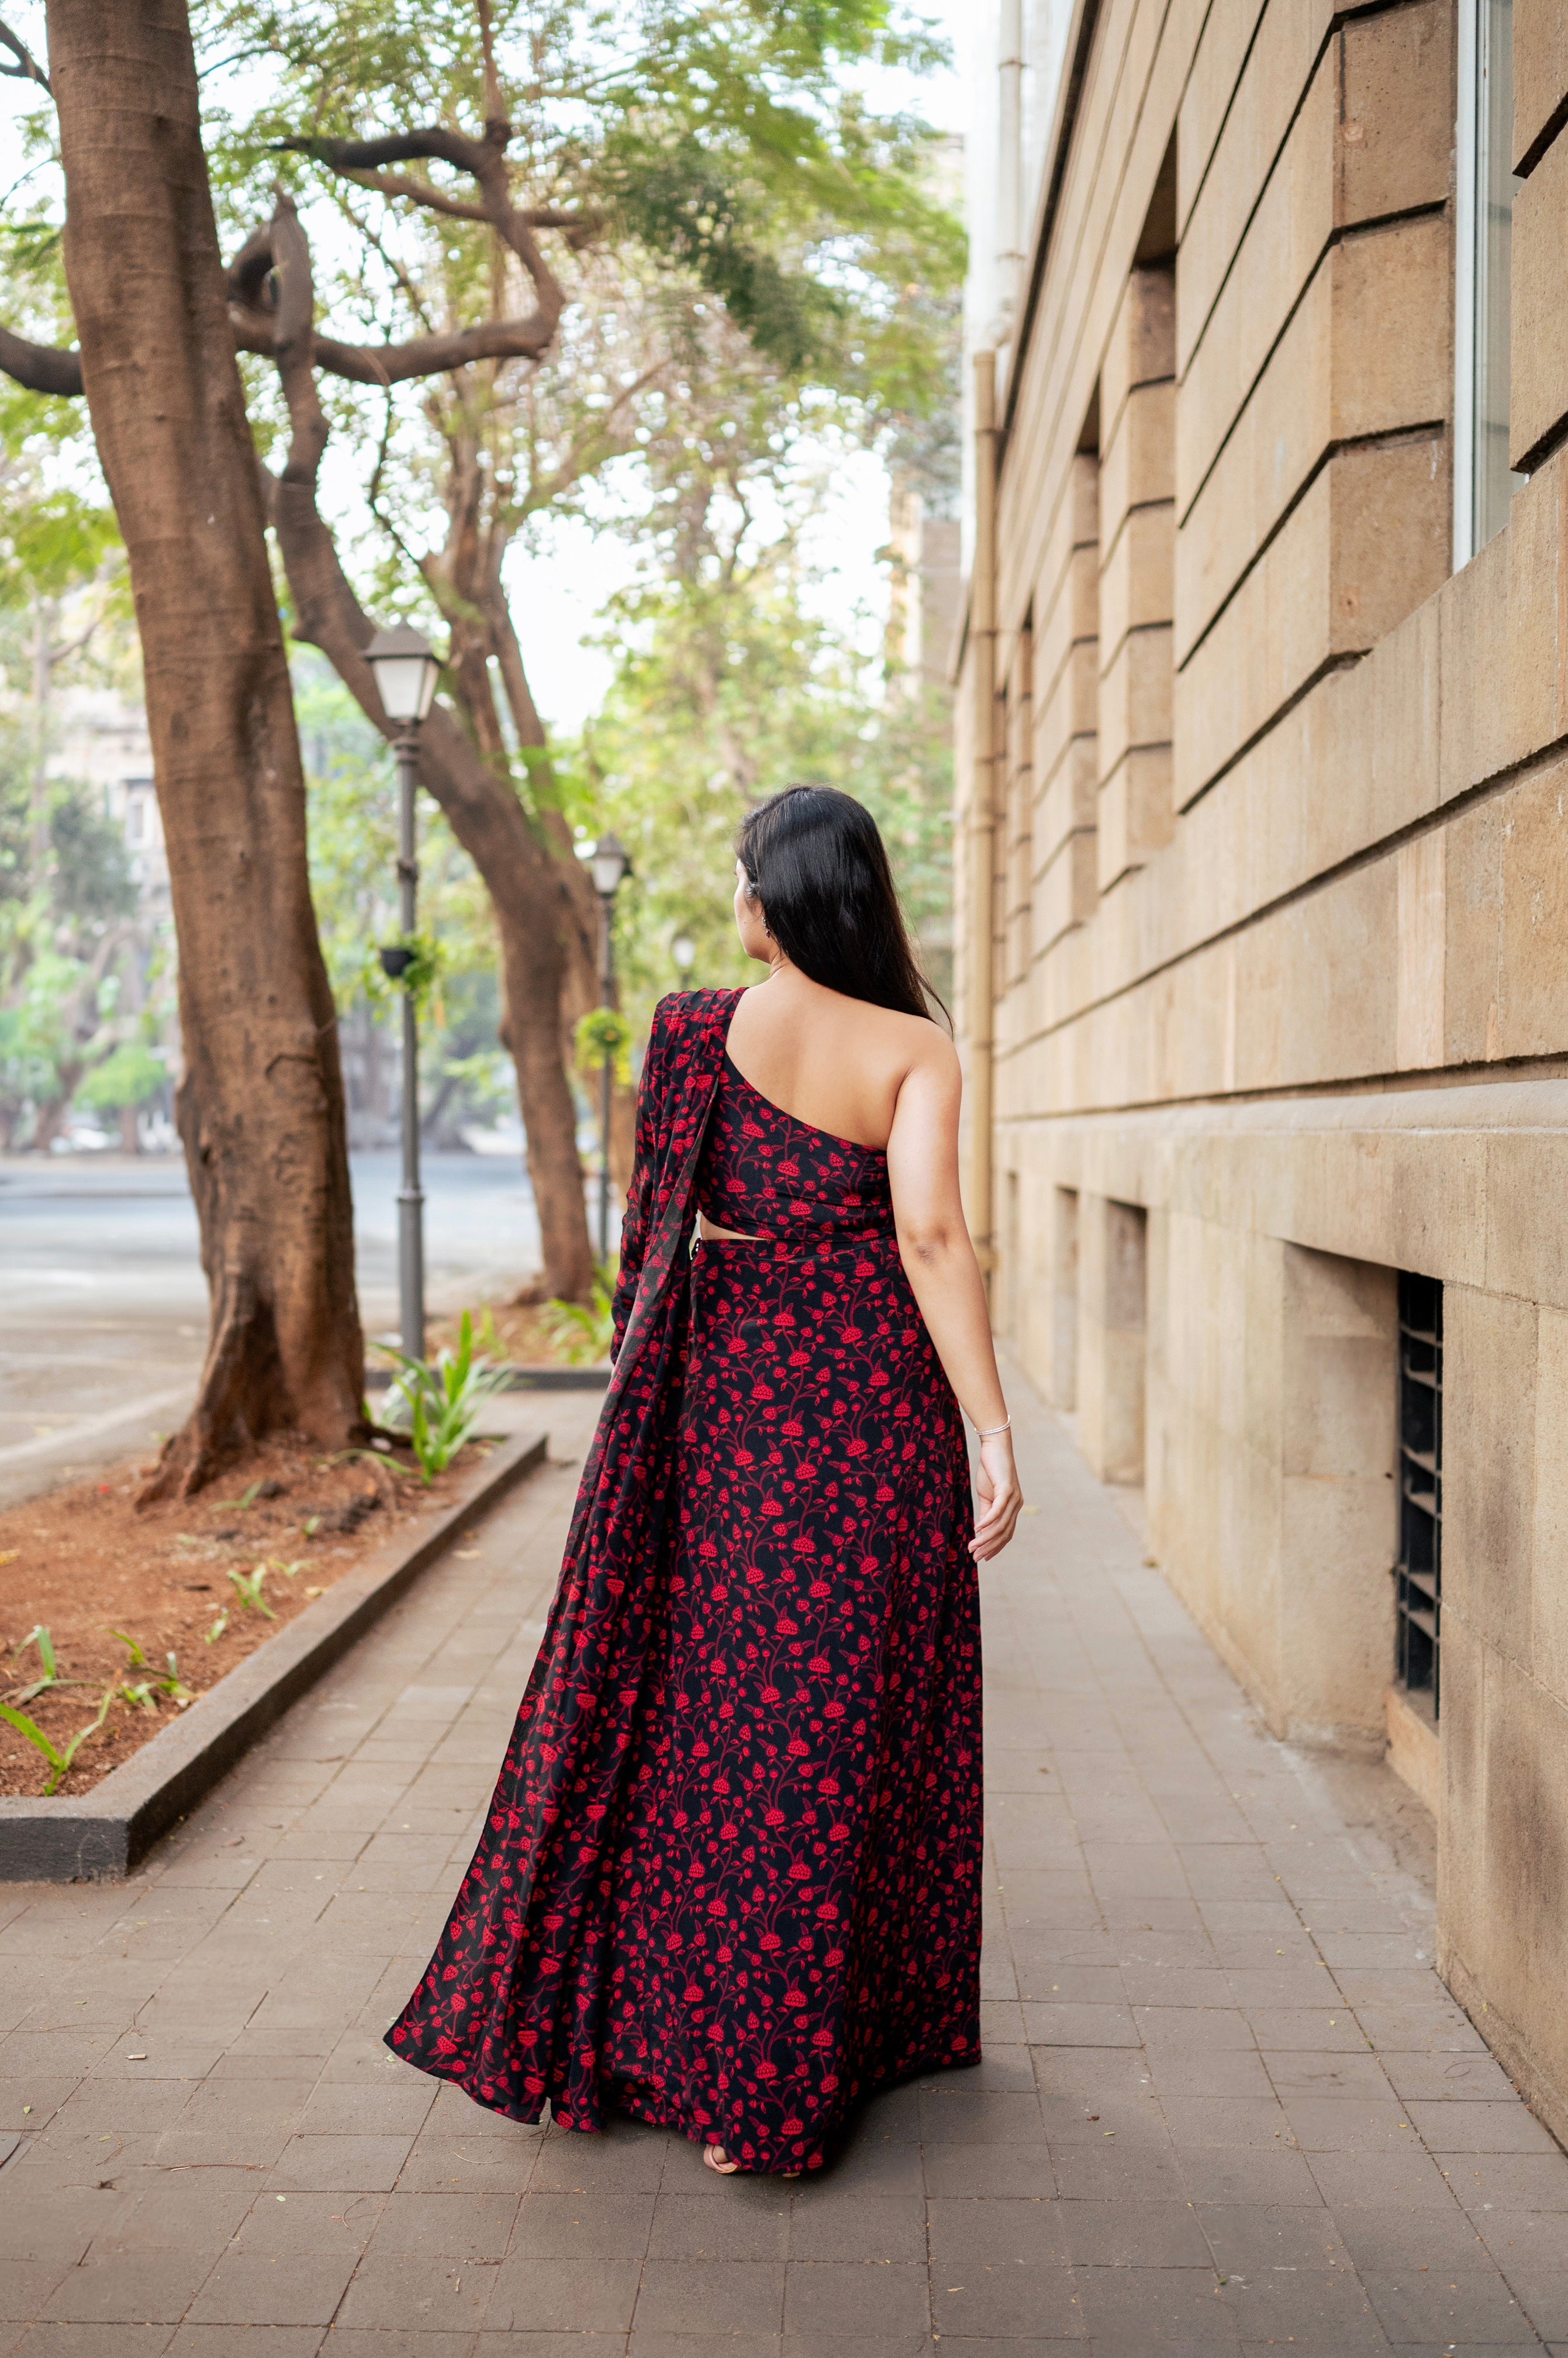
(103, 1305)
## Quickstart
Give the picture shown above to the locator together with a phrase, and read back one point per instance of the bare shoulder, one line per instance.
(929, 1050)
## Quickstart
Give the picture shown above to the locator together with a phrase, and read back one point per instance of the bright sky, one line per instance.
(558, 594)
(560, 591)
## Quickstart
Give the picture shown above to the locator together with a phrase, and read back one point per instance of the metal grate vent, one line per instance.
(1418, 1575)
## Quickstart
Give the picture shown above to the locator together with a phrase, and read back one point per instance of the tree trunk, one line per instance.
(493, 827)
(581, 983)
(261, 1105)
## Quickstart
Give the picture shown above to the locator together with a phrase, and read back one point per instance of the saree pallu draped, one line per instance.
(730, 1879)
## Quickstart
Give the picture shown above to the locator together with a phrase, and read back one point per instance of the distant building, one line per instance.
(102, 741)
(1262, 932)
(924, 594)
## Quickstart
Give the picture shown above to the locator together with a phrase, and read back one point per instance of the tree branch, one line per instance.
(398, 184)
(294, 339)
(37, 366)
(26, 67)
(485, 161)
(499, 340)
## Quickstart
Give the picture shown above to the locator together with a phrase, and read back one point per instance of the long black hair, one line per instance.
(816, 861)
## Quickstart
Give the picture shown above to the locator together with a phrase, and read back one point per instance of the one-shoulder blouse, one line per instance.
(766, 1174)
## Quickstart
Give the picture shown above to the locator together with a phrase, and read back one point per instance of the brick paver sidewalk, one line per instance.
(1226, 2104)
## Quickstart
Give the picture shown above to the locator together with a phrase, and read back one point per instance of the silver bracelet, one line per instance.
(992, 1431)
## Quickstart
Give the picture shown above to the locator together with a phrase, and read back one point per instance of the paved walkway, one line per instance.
(1226, 2105)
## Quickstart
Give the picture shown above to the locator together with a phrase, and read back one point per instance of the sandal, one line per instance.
(717, 2158)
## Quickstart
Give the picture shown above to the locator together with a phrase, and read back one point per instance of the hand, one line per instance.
(1000, 1498)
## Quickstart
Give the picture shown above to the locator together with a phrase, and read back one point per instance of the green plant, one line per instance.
(217, 1628)
(440, 1405)
(419, 965)
(145, 1692)
(41, 1639)
(59, 1757)
(237, 1506)
(604, 1037)
(582, 1331)
(248, 1587)
(53, 1677)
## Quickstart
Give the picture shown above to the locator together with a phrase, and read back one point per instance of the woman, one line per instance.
(731, 1881)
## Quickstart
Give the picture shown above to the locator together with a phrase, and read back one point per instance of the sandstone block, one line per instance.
(1141, 347)
(1068, 798)
(1538, 391)
(1524, 1885)
(1069, 708)
(1067, 888)
(1112, 1319)
(1541, 74)
(1139, 461)
(1062, 1379)
(1488, 1464)
(1082, 498)
(1271, 83)
(1397, 91)
(1363, 547)
(1333, 1598)
(1068, 617)
(1325, 179)
(1507, 923)
(1548, 1656)
(1366, 352)
(1137, 817)
(1135, 696)
(1423, 870)
(1208, 92)
(1137, 580)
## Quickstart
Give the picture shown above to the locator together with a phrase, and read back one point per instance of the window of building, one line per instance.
(1418, 1574)
(1486, 182)
(135, 818)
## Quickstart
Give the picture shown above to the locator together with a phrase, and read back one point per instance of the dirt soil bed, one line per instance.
(84, 1561)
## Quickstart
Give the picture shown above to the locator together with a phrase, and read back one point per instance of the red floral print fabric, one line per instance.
(731, 1879)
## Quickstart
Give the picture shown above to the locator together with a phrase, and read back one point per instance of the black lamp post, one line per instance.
(405, 669)
(611, 864)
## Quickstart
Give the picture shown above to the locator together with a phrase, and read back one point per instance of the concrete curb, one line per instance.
(100, 1835)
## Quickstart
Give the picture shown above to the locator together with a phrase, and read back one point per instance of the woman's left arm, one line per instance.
(945, 1276)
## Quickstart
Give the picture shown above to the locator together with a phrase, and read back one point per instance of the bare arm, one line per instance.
(944, 1276)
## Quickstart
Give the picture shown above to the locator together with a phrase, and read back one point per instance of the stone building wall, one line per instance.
(1263, 895)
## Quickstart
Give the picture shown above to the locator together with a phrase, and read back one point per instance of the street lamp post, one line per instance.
(683, 949)
(612, 865)
(405, 670)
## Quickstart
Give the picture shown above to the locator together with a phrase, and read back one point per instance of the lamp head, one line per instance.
(405, 667)
(611, 864)
(683, 949)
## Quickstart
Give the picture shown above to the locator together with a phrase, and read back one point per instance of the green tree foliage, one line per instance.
(727, 692)
(710, 190)
(129, 1075)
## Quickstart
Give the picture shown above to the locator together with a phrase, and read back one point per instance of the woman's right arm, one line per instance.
(945, 1276)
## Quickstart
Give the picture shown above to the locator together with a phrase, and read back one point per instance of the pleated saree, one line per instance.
(730, 1881)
